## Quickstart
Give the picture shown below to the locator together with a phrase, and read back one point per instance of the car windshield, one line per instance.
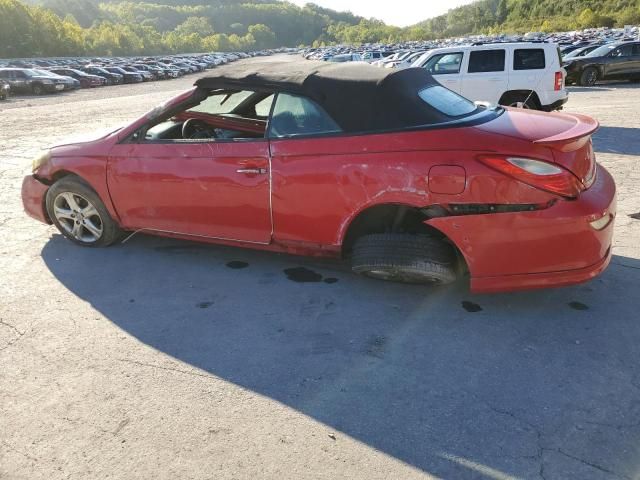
(576, 53)
(601, 51)
(223, 102)
(44, 73)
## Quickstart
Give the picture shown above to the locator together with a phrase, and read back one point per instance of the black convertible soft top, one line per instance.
(358, 96)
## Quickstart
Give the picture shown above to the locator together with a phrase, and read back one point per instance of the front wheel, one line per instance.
(79, 213)
(589, 77)
(404, 258)
(37, 89)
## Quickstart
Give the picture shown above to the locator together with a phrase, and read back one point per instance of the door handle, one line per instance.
(252, 171)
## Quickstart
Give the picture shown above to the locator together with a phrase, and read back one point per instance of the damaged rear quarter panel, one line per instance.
(321, 184)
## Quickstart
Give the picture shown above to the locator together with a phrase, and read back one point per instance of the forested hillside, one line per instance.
(499, 16)
(116, 27)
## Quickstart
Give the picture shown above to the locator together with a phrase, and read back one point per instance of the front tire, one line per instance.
(588, 77)
(37, 89)
(79, 214)
(404, 258)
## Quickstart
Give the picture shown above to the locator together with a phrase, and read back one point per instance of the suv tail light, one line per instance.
(545, 176)
(559, 80)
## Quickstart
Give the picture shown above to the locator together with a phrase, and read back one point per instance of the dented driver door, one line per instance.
(215, 189)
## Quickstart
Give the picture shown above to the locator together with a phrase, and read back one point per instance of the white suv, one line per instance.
(528, 75)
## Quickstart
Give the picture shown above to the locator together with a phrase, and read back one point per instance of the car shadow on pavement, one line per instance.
(455, 384)
(621, 140)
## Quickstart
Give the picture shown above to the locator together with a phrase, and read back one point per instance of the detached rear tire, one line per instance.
(404, 258)
(79, 213)
(526, 101)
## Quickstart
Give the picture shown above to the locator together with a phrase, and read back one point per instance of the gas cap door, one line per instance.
(447, 179)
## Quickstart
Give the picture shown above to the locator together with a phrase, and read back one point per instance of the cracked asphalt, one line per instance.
(166, 359)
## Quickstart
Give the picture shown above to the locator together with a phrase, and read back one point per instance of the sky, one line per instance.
(393, 12)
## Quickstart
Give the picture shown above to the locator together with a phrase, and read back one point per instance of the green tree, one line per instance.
(263, 36)
(587, 18)
(628, 16)
(502, 11)
(195, 25)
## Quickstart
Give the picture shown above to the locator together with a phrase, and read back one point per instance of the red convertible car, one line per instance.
(387, 168)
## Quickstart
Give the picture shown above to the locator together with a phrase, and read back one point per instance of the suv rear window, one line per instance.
(481, 61)
(529, 59)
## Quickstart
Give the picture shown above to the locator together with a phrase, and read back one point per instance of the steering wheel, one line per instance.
(196, 128)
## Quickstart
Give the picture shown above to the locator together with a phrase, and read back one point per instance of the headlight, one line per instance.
(40, 160)
(47, 82)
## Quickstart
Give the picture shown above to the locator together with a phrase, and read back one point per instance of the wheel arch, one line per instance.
(391, 218)
(88, 176)
(380, 218)
(520, 93)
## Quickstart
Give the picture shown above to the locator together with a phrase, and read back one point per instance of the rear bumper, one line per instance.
(33, 197)
(532, 281)
(553, 247)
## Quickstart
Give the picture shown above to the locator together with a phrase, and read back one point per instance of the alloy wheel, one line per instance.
(78, 217)
(591, 77)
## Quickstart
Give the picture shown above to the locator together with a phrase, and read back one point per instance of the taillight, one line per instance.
(559, 80)
(590, 177)
(537, 173)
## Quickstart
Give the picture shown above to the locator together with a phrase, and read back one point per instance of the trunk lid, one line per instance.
(567, 135)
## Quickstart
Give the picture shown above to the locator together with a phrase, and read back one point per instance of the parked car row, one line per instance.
(41, 76)
(609, 61)
(528, 71)
(384, 53)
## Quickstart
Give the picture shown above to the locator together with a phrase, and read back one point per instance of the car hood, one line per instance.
(583, 58)
(83, 138)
